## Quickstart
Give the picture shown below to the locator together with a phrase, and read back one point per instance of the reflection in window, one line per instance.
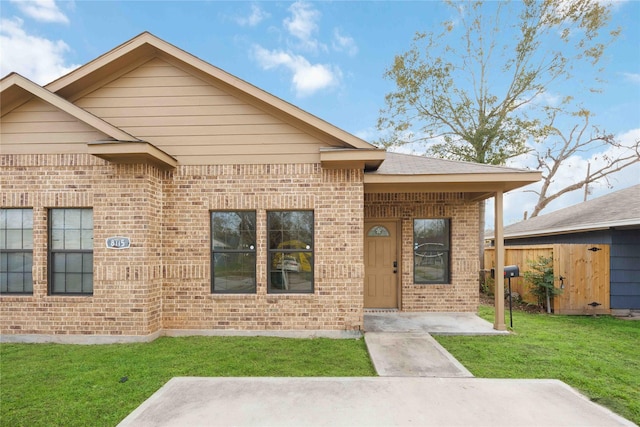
(290, 240)
(431, 242)
(16, 251)
(378, 231)
(71, 251)
(233, 252)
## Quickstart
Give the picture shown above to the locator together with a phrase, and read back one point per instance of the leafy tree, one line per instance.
(474, 91)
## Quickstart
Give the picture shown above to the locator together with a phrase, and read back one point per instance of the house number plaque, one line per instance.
(118, 242)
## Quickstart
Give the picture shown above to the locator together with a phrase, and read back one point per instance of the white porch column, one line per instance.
(498, 323)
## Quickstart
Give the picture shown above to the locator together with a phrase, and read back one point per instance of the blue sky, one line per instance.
(327, 58)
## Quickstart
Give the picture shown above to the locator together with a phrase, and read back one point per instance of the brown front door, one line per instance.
(380, 265)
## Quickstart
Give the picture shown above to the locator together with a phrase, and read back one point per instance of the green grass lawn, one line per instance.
(67, 385)
(599, 356)
(52, 384)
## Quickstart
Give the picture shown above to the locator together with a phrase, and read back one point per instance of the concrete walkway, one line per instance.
(400, 344)
(420, 384)
(356, 402)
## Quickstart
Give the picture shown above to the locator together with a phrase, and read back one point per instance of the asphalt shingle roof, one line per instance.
(614, 209)
(406, 164)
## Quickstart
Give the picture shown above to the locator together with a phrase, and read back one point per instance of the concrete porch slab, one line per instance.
(431, 323)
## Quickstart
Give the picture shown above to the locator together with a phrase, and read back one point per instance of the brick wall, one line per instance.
(163, 279)
(126, 201)
(335, 196)
(461, 295)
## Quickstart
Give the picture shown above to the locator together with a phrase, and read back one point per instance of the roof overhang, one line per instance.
(477, 186)
(132, 152)
(352, 158)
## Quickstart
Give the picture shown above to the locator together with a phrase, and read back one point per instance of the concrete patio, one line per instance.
(431, 323)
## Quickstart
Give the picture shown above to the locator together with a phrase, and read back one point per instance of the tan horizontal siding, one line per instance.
(19, 147)
(194, 120)
(157, 102)
(77, 138)
(249, 129)
(169, 90)
(49, 126)
(156, 81)
(278, 141)
(182, 120)
(40, 128)
(250, 150)
(34, 117)
(135, 113)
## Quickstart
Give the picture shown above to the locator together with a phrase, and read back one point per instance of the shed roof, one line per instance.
(617, 209)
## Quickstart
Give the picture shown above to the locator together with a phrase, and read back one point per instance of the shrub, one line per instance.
(541, 279)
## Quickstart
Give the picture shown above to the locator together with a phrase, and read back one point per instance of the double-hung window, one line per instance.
(71, 252)
(432, 250)
(290, 249)
(16, 251)
(233, 252)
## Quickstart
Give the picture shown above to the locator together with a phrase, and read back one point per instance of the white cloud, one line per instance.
(343, 43)
(257, 15)
(303, 26)
(632, 77)
(36, 58)
(42, 10)
(307, 78)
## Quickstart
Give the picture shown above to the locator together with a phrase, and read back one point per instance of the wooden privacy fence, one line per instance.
(584, 270)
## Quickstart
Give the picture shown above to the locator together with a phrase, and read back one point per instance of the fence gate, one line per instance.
(584, 270)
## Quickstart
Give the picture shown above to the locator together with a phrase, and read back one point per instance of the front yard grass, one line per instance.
(55, 385)
(99, 385)
(599, 356)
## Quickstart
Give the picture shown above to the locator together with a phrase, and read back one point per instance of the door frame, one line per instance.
(396, 223)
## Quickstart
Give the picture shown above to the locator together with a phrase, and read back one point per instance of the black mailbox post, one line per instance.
(509, 272)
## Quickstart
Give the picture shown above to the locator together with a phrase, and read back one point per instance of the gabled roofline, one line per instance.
(146, 44)
(30, 89)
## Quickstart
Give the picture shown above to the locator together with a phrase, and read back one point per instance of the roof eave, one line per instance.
(364, 159)
(578, 228)
(483, 184)
(132, 152)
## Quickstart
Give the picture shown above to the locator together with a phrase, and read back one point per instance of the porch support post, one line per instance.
(498, 323)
